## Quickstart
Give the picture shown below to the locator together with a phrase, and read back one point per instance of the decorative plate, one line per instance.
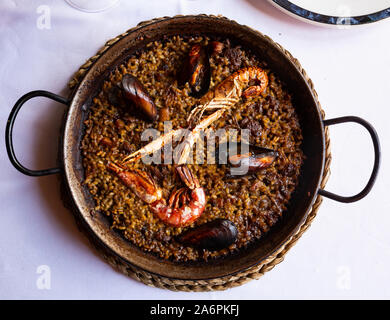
(336, 12)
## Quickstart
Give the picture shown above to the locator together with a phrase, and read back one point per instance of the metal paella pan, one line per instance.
(310, 118)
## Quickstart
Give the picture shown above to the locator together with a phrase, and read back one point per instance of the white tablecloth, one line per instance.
(346, 252)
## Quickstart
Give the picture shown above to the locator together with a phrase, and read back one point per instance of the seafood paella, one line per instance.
(192, 148)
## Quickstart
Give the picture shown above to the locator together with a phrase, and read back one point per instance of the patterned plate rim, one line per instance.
(332, 20)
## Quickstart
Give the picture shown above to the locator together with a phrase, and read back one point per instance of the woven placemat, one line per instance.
(210, 284)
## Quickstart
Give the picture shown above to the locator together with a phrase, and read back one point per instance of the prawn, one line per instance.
(184, 206)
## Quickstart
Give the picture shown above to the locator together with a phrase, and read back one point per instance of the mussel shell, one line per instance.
(196, 71)
(135, 92)
(215, 235)
(247, 157)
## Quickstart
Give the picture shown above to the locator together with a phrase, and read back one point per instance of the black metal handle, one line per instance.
(377, 151)
(10, 126)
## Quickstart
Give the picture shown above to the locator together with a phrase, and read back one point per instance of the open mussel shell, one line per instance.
(215, 235)
(196, 71)
(244, 158)
(134, 91)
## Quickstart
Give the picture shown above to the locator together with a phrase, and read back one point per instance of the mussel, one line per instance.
(214, 235)
(244, 158)
(196, 71)
(134, 91)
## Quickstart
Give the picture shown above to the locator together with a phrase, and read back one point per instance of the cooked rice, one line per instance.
(254, 203)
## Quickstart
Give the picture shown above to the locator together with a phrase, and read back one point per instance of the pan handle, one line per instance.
(377, 151)
(10, 126)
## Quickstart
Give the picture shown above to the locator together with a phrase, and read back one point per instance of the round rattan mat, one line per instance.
(210, 284)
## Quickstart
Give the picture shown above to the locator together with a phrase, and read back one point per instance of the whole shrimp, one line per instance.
(226, 94)
(184, 205)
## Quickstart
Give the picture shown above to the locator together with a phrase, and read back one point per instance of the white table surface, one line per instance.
(345, 253)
